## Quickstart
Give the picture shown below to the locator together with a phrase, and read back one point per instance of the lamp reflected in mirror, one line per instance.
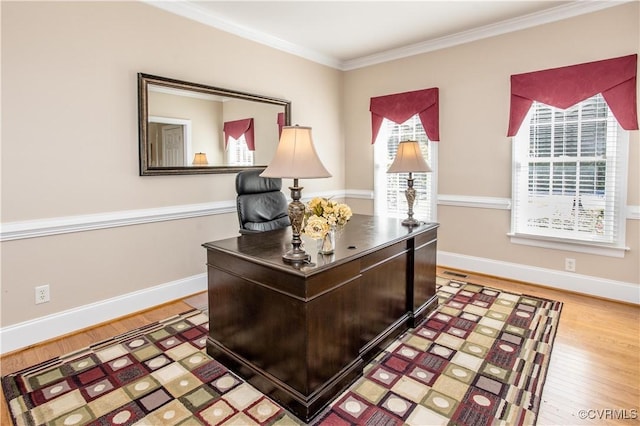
(200, 159)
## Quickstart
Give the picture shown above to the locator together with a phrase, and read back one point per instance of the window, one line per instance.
(238, 153)
(569, 176)
(389, 188)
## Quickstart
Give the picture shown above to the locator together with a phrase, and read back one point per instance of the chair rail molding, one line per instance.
(364, 194)
(67, 224)
(90, 222)
(474, 201)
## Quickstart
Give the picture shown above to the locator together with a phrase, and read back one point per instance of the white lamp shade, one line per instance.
(296, 157)
(409, 159)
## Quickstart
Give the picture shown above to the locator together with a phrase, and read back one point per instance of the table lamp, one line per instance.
(296, 158)
(200, 159)
(409, 159)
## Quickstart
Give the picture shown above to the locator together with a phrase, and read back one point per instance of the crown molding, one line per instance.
(191, 10)
(534, 19)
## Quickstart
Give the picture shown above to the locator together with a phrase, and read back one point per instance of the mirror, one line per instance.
(191, 128)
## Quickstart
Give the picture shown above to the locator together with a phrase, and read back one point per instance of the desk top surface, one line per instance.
(361, 235)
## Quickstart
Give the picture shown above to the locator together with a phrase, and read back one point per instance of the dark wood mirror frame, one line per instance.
(144, 80)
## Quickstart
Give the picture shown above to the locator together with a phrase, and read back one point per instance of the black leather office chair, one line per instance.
(261, 204)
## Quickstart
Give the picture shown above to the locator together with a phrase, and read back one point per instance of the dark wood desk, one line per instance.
(303, 334)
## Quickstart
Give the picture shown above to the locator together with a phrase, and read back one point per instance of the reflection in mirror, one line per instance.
(169, 141)
(189, 128)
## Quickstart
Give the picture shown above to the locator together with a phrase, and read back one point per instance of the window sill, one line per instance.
(561, 244)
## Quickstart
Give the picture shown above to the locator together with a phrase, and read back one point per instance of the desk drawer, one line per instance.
(382, 255)
(426, 238)
(383, 296)
(288, 283)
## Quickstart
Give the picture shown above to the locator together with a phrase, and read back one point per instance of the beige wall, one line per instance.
(474, 152)
(70, 143)
(70, 138)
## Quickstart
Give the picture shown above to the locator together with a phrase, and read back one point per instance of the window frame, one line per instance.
(233, 146)
(616, 248)
(381, 177)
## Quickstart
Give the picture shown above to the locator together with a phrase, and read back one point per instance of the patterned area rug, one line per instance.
(479, 359)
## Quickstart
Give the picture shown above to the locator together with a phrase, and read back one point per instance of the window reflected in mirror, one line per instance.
(238, 153)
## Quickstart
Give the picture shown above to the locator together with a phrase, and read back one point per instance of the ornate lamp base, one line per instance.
(296, 217)
(293, 256)
(410, 222)
(410, 193)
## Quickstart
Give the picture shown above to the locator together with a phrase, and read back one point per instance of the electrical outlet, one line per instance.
(569, 264)
(42, 294)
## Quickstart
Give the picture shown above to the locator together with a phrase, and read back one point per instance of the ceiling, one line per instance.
(352, 34)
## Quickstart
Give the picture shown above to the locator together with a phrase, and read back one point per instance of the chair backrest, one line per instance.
(260, 202)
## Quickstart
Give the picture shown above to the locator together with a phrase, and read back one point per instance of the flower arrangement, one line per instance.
(322, 215)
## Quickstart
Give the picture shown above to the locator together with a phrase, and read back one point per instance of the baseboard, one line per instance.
(585, 284)
(27, 333)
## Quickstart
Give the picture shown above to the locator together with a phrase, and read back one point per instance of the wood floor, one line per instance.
(595, 361)
(593, 377)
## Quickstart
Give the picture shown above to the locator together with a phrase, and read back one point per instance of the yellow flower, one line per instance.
(316, 227)
(329, 212)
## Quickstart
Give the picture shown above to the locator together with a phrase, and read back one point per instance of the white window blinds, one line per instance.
(569, 174)
(238, 154)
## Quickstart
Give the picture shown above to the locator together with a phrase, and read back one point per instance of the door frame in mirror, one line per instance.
(143, 116)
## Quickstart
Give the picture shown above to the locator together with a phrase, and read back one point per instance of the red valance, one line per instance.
(566, 86)
(280, 123)
(237, 128)
(400, 107)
